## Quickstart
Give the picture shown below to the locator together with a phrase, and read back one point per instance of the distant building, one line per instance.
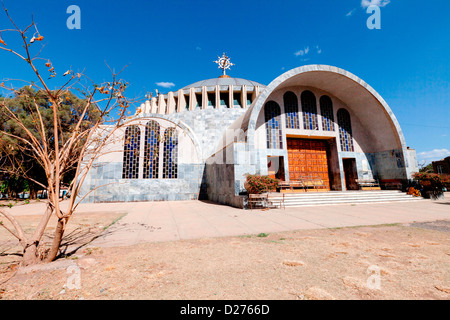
(442, 166)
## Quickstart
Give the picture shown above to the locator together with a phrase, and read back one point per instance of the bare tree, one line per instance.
(59, 149)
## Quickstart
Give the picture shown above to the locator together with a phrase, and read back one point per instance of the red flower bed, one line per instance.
(432, 184)
(257, 184)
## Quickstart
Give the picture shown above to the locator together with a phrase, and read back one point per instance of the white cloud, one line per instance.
(198, 48)
(350, 13)
(165, 84)
(433, 155)
(319, 51)
(379, 3)
(302, 52)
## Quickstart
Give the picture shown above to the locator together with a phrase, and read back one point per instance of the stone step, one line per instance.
(324, 203)
(341, 198)
(294, 200)
(340, 194)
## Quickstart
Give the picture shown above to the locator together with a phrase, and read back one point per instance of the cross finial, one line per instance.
(224, 63)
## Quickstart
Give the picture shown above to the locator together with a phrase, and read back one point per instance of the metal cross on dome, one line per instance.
(224, 63)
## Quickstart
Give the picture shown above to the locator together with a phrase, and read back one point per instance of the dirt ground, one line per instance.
(373, 262)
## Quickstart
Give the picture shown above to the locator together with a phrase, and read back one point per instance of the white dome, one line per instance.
(224, 82)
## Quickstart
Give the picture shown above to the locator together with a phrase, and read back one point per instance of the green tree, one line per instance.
(22, 104)
(427, 168)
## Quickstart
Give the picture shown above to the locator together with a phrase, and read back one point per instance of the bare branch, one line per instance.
(20, 235)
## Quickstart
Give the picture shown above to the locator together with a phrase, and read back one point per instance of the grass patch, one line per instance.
(114, 221)
(263, 235)
(370, 226)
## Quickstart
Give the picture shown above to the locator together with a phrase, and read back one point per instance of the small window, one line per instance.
(224, 99)
(198, 96)
(187, 98)
(237, 99)
(211, 100)
(249, 98)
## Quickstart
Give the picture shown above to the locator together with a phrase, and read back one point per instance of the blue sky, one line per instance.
(407, 61)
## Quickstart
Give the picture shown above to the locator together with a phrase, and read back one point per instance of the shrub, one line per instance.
(256, 184)
(410, 183)
(414, 192)
(431, 183)
(446, 180)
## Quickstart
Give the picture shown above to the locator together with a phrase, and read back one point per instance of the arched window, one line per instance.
(345, 130)
(291, 110)
(326, 110)
(130, 169)
(309, 108)
(274, 135)
(170, 161)
(151, 150)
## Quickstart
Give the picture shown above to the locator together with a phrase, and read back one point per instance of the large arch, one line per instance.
(363, 101)
(360, 97)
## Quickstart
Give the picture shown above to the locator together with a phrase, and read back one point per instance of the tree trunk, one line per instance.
(58, 235)
(33, 193)
(30, 255)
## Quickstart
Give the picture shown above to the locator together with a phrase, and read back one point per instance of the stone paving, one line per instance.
(171, 221)
(179, 220)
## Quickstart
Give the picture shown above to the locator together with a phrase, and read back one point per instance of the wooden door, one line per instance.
(308, 158)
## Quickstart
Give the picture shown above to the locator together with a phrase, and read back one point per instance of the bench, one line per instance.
(305, 182)
(291, 185)
(391, 184)
(368, 184)
(276, 200)
(255, 200)
(315, 183)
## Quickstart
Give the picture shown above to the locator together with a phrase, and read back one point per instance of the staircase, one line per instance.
(339, 197)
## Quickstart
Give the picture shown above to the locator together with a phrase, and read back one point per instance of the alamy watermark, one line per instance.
(374, 280)
(74, 20)
(74, 277)
(374, 21)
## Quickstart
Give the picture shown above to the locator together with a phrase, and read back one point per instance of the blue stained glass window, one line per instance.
(345, 130)
(170, 164)
(151, 150)
(272, 112)
(309, 109)
(291, 110)
(132, 143)
(326, 109)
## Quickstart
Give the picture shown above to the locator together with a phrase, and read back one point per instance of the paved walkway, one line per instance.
(169, 221)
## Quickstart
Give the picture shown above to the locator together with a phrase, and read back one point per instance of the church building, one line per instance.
(200, 142)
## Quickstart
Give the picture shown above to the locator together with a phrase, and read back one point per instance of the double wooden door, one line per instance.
(308, 158)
